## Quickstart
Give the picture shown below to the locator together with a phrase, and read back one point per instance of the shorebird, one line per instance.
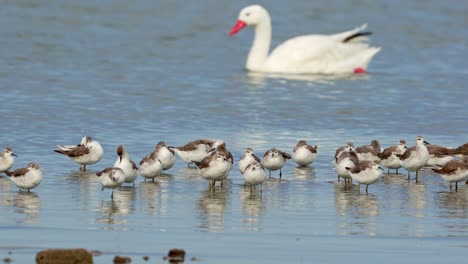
(369, 152)
(88, 152)
(274, 159)
(254, 175)
(248, 157)
(165, 155)
(439, 156)
(346, 148)
(347, 159)
(389, 156)
(111, 178)
(414, 158)
(454, 171)
(304, 154)
(366, 172)
(7, 159)
(127, 165)
(26, 178)
(150, 166)
(214, 167)
(196, 151)
(461, 151)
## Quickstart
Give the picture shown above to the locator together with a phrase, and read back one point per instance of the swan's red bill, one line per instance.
(360, 70)
(237, 27)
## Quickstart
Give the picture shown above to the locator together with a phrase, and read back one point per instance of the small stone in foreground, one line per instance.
(122, 260)
(145, 258)
(64, 256)
(7, 260)
(175, 255)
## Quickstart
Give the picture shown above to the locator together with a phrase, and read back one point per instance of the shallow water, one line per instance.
(140, 72)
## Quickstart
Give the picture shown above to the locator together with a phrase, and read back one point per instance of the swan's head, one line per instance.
(249, 16)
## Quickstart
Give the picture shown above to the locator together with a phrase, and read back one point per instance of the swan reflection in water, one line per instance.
(211, 205)
(252, 208)
(113, 210)
(260, 78)
(358, 213)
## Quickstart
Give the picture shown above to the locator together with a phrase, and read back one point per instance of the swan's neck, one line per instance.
(260, 47)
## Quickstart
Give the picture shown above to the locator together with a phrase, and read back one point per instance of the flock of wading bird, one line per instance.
(214, 162)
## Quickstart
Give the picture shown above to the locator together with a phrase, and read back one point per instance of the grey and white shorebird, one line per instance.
(195, 151)
(127, 165)
(88, 152)
(439, 155)
(365, 172)
(454, 171)
(7, 159)
(26, 178)
(248, 157)
(414, 158)
(111, 178)
(389, 156)
(461, 151)
(165, 155)
(304, 154)
(254, 175)
(214, 167)
(349, 146)
(345, 160)
(150, 166)
(369, 152)
(275, 159)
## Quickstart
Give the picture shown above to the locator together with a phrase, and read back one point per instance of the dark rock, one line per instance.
(122, 260)
(64, 256)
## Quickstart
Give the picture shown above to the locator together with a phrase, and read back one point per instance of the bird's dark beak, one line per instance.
(427, 143)
(13, 154)
(213, 149)
(381, 168)
(120, 158)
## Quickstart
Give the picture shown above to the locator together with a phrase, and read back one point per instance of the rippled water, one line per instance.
(135, 73)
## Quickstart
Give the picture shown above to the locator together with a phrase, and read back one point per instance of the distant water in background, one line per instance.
(137, 72)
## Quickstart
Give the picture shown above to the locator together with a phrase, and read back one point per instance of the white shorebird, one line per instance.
(304, 154)
(274, 159)
(369, 152)
(222, 150)
(7, 159)
(414, 158)
(365, 172)
(439, 156)
(26, 178)
(111, 178)
(127, 165)
(254, 175)
(344, 52)
(150, 166)
(196, 151)
(461, 151)
(454, 171)
(346, 148)
(248, 157)
(389, 156)
(165, 155)
(88, 152)
(214, 167)
(347, 159)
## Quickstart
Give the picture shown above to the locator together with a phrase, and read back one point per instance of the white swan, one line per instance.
(344, 52)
